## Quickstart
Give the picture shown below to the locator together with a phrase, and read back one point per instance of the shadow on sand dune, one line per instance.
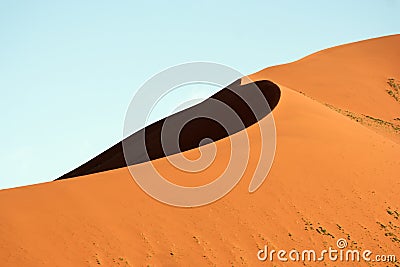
(185, 130)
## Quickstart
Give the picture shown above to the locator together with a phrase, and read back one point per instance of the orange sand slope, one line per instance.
(352, 78)
(332, 178)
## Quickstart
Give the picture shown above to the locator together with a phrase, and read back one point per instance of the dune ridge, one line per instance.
(351, 78)
(147, 144)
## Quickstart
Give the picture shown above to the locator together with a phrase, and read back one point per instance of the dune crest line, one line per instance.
(192, 133)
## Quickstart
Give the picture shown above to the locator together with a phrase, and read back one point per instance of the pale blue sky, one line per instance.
(68, 69)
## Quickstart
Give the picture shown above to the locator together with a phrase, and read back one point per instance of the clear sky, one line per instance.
(68, 69)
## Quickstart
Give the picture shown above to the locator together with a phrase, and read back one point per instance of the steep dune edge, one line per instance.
(207, 119)
(323, 177)
(352, 79)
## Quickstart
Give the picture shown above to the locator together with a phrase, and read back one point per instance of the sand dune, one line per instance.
(352, 78)
(332, 178)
